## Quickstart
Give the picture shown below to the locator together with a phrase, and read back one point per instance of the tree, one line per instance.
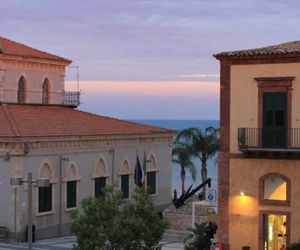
(182, 154)
(110, 223)
(204, 143)
(198, 239)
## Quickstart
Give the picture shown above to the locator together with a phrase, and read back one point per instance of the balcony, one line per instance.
(72, 99)
(269, 141)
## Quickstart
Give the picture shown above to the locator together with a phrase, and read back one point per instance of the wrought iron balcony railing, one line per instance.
(72, 99)
(269, 138)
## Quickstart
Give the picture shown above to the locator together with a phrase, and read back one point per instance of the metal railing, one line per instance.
(72, 99)
(269, 138)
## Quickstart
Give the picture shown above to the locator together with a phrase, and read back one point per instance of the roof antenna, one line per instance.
(77, 74)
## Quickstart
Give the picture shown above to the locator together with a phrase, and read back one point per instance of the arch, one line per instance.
(71, 173)
(45, 91)
(21, 90)
(125, 168)
(152, 163)
(285, 186)
(100, 168)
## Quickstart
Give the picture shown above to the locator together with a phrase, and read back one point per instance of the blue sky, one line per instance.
(149, 42)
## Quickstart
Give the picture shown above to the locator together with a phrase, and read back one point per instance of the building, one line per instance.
(259, 168)
(43, 132)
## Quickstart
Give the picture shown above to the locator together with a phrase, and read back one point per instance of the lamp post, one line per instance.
(19, 181)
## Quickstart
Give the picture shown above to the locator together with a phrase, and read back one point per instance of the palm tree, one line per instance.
(182, 154)
(204, 143)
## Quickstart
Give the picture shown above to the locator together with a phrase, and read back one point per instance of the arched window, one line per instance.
(125, 182)
(274, 189)
(71, 179)
(152, 170)
(21, 90)
(45, 94)
(45, 193)
(99, 175)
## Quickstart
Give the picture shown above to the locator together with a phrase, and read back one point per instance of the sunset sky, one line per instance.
(149, 59)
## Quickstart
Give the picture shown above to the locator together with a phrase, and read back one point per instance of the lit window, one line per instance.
(21, 90)
(275, 188)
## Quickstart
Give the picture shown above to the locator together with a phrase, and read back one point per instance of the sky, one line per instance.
(148, 59)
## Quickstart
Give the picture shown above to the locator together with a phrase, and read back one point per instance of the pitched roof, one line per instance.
(48, 121)
(12, 48)
(283, 49)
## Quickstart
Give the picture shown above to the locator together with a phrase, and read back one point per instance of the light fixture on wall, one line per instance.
(242, 193)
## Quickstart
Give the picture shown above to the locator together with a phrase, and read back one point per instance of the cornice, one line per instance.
(34, 64)
(24, 147)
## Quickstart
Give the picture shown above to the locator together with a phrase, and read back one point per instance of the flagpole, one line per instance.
(145, 170)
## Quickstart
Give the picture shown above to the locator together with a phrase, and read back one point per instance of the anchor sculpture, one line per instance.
(178, 202)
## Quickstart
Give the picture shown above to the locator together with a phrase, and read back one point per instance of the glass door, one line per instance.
(274, 231)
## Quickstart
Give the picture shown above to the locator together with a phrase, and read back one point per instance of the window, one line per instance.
(71, 178)
(274, 189)
(125, 186)
(45, 193)
(151, 182)
(152, 170)
(45, 199)
(71, 194)
(21, 90)
(45, 94)
(100, 182)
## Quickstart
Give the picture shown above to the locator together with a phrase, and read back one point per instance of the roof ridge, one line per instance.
(126, 121)
(10, 120)
(54, 57)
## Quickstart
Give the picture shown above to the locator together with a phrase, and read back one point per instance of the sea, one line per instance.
(211, 164)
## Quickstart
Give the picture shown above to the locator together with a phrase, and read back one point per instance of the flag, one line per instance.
(138, 172)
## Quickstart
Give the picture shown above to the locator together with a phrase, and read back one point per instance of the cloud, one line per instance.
(201, 75)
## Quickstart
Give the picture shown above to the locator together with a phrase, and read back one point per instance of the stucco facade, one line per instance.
(43, 134)
(248, 165)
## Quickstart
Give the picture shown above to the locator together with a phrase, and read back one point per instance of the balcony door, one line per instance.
(274, 131)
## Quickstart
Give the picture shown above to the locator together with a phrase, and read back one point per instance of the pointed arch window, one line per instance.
(21, 90)
(45, 94)
(125, 173)
(152, 170)
(45, 193)
(71, 179)
(100, 175)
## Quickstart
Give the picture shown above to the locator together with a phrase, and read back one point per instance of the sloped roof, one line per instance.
(283, 49)
(48, 121)
(12, 48)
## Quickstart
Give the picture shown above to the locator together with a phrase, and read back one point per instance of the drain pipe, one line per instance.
(61, 159)
(112, 152)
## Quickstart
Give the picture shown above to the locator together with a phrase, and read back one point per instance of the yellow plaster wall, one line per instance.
(244, 210)
(244, 95)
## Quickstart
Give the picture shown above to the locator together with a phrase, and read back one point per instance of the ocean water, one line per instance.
(211, 164)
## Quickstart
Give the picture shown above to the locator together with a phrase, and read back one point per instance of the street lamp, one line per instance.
(41, 182)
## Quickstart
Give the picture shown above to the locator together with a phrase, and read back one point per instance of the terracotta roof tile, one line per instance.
(12, 48)
(283, 49)
(44, 121)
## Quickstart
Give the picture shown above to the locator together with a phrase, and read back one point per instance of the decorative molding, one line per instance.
(43, 66)
(16, 147)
